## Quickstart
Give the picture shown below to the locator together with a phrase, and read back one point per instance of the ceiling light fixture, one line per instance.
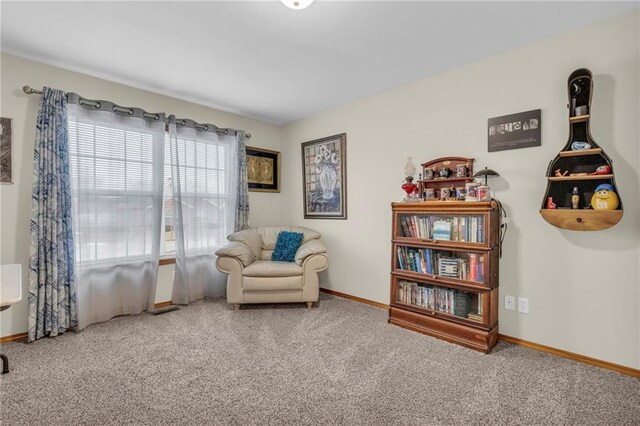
(296, 4)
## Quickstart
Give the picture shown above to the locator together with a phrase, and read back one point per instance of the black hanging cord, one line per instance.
(503, 226)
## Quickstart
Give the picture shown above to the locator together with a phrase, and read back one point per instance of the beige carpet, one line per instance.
(339, 363)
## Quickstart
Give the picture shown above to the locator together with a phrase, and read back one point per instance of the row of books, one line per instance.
(464, 266)
(455, 302)
(458, 228)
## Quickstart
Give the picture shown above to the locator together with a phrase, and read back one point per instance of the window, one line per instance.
(116, 185)
(205, 191)
(121, 177)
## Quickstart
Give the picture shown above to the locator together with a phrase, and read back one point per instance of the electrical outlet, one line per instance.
(523, 305)
(509, 302)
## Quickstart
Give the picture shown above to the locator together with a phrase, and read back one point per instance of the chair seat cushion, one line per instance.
(270, 268)
(270, 285)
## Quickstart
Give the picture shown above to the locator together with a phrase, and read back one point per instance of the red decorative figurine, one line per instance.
(602, 170)
(550, 204)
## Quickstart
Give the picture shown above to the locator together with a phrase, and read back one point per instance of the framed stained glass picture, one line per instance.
(324, 175)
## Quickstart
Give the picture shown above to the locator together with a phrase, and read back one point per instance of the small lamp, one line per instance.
(486, 173)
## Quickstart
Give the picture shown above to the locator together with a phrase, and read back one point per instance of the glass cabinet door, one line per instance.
(461, 304)
(449, 227)
(459, 265)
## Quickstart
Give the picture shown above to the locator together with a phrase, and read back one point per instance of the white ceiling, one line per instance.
(263, 60)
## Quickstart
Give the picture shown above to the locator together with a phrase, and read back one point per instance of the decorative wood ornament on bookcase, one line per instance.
(581, 190)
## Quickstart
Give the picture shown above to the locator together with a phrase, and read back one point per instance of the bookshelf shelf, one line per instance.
(452, 245)
(563, 191)
(446, 287)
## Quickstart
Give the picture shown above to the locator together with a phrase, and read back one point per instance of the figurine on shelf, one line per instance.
(575, 91)
(429, 173)
(602, 170)
(575, 198)
(471, 191)
(550, 204)
(604, 198)
(462, 170)
(430, 194)
(559, 173)
(444, 172)
(580, 146)
(581, 110)
(445, 193)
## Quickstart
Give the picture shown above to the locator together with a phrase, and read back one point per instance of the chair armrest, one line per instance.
(237, 250)
(309, 248)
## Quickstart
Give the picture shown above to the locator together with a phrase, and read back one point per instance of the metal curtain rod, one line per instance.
(31, 91)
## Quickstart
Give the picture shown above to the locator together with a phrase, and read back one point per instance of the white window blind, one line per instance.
(207, 195)
(116, 172)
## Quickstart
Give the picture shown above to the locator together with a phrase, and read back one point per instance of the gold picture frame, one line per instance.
(263, 170)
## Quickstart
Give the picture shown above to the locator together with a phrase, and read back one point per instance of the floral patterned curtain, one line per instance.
(52, 286)
(242, 197)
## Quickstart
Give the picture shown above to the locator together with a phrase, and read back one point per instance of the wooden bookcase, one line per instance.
(446, 288)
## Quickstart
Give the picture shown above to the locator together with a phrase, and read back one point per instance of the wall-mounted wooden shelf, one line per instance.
(582, 220)
(579, 153)
(562, 191)
(438, 184)
(585, 177)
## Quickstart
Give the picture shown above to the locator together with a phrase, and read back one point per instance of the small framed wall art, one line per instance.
(324, 177)
(520, 130)
(263, 170)
(6, 162)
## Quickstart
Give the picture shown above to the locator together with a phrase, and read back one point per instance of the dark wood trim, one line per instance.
(168, 261)
(162, 304)
(356, 298)
(572, 356)
(13, 337)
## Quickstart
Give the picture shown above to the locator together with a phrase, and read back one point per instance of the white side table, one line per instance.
(10, 294)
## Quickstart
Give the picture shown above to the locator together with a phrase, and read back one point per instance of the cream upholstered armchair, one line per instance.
(255, 278)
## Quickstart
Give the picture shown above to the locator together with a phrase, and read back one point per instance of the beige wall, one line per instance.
(583, 288)
(15, 199)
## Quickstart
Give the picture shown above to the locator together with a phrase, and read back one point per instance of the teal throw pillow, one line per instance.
(287, 245)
